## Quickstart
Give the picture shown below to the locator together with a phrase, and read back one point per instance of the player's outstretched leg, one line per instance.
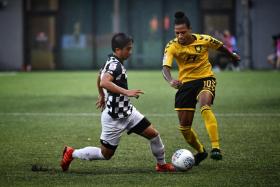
(200, 157)
(66, 158)
(87, 153)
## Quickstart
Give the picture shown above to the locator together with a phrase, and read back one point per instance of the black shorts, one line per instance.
(140, 127)
(186, 96)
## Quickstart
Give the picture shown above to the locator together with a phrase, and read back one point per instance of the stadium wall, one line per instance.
(263, 24)
(263, 16)
(11, 36)
(266, 23)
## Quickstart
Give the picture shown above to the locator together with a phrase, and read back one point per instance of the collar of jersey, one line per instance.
(112, 55)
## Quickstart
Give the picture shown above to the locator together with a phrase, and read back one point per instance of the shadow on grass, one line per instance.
(122, 171)
(108, 171)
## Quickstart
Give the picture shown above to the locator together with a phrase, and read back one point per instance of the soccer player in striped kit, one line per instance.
(118, 113)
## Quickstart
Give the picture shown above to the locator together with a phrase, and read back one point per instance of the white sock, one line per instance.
(88, 153)
(157, 148)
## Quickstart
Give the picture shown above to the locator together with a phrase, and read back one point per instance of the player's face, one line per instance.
(182, 32)
(126, 51)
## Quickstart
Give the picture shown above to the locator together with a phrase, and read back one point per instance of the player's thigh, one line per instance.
(111, 130)
(140, 125)
(185, 98)
(137, 122)
(206, 92)
(205, 98)
(185, 117)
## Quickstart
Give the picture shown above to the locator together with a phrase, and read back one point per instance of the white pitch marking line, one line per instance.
(3, 74)
(151, 115)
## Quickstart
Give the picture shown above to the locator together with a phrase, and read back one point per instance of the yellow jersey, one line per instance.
(192, 59)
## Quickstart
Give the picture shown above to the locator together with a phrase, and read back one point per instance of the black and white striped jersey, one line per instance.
(118, 105)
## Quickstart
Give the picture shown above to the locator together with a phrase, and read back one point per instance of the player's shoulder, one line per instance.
(112, 59)
(202, 37)
(171, 44)
(205, 38)
(112, 64)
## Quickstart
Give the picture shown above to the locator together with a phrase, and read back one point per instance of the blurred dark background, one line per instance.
(76, 34)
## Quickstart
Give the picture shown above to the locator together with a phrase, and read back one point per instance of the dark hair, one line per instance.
(181, 18)
(120, 40)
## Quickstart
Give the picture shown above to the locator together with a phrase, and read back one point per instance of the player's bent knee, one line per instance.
(107, 150)
(107, 154)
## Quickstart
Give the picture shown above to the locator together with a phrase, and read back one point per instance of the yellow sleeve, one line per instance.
(213, 42)
(168, 56)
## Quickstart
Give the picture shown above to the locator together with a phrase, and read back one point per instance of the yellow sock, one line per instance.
(191, 137)
(211, 125)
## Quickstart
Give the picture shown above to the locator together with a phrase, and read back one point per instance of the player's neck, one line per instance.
(189, 40)
(118, 57)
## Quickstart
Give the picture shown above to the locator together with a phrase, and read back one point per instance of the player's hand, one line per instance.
(235, 57)
(134, 93)
(175, 84)
(100, 103)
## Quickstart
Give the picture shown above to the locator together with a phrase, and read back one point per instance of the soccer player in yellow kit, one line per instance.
(196, 82)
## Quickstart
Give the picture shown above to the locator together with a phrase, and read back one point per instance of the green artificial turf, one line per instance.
(40, 112)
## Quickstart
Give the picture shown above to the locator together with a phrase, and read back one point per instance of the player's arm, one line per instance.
(166, 67)
(107, 83)
(168, 77)
(233, 56)
(219, 46)
(100, 103)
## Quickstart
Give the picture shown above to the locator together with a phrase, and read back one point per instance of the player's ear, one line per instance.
(117, 50)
